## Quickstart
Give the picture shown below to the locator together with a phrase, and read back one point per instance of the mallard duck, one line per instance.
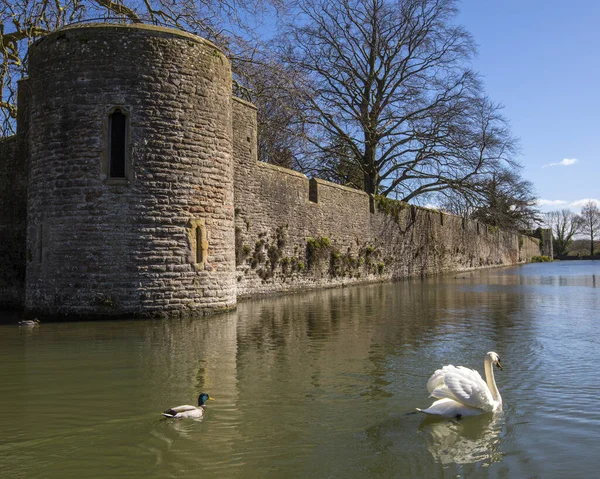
(188, 410)
(29, 323)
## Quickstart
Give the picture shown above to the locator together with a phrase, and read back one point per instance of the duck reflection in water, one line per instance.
(470, 440)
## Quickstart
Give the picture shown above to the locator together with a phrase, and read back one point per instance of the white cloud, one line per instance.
(541, 202)
(431, 206)
(579, 203)
(564, 162)
(574, 206)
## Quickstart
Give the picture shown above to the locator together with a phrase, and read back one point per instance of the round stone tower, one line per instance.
(130, 189)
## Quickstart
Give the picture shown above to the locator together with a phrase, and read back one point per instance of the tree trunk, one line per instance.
(371, 185)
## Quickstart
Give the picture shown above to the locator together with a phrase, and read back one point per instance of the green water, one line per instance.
(316, 385)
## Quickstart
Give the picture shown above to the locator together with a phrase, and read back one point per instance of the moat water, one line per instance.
(316, 385)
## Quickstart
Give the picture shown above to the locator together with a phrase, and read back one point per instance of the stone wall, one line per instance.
(528, 248)
(13, 194)
(13, 206)
(293, 233)
(160, 241)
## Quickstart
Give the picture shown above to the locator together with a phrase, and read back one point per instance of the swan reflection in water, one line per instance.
(467, 441)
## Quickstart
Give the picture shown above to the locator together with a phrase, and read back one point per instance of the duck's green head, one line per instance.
(203, 398)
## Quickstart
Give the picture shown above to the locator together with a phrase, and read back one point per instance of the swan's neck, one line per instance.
(491, 382)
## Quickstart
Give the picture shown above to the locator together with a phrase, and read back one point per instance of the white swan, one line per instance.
(461, 392)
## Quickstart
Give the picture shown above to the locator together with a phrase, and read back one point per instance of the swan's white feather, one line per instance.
(436, 380)
(450, 408)
(463, 385)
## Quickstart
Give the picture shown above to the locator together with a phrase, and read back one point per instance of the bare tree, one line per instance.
(505, 200)
(229, 23)
(456, 203)
(589, 222)
(564, 225)
(335, 163)
(279, 131)
(386, 83)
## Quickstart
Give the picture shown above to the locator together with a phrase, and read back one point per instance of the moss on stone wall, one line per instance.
(390, 207)
(317, 250)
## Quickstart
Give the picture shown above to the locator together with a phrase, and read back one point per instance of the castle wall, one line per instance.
(279, 210)
(421, 242)
(294, 234)
(195, 221)
(12, 223)
(529, 247)
(13, 206)
(160, 241)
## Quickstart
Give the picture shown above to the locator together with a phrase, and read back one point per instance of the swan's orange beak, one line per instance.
(499, 365)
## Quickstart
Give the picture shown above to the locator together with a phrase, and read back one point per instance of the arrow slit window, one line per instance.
(117, 156)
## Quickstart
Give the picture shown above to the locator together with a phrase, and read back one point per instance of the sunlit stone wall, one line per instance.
(293, 234)
(160, 241)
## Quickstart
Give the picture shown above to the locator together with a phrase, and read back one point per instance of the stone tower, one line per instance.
(130, 189)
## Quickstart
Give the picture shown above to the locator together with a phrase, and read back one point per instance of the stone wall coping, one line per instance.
(281, 169)
(535, 240)
(132, 26)
(7, 139)
(330, 184)
(245, 103)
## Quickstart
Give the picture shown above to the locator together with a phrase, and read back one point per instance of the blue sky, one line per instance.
(541, 60)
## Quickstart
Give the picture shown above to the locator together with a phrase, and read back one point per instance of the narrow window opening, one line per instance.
(313, 191)
(118, 144)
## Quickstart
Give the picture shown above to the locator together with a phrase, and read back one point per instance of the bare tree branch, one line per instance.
(229, 23)
(385, 88)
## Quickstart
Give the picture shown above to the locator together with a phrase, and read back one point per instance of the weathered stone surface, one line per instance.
(13, 194)
(102, 247)
(281, 215)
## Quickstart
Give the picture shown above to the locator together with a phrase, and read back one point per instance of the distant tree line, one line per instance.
(378, 95)
(567, 226)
